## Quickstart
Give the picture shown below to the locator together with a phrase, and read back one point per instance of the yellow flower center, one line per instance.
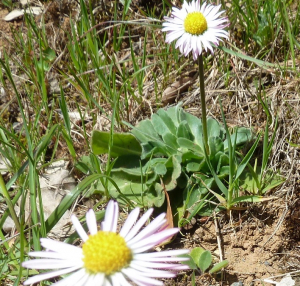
(195, 23)
(105, 252)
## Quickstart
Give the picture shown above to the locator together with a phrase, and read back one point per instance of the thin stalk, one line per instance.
(5, 194)
(203, 103)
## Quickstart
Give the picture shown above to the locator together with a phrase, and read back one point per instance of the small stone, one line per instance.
(267, 263)
(240, 283)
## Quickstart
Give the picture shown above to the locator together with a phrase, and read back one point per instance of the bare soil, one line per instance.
(264, 239)
(258, 243)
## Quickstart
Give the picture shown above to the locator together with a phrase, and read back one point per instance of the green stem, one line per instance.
(10, 206)
(203, 103)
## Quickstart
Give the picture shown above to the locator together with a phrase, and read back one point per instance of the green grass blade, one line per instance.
(70, 198)
(246, 159)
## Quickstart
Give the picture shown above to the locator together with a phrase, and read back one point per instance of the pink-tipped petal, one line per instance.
(138, 225)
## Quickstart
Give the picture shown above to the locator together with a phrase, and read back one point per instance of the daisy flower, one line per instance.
(109, 258)
(195, 27)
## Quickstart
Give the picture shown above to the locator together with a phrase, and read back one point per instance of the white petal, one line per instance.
(151, 228)
(91, 222)
(203, 7)
(61, 247)
(162, 259)
(138, 225)
(120, 277)
(48, 275)
(136, 276)
(179, 267)
(51, 254)
(84, 279)
(170, 37)
(71, 279)
(208, 10)
(130, 221)
(153, 265)
(115, 281)
(52, 263)
(106, 283)
(166, 254)
(153, 240)
(99, 279)
(181, 41)
(150, 272)
(94, 280)
(111, 217)
(79, 228)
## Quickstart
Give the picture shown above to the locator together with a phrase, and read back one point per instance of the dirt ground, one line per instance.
(5, 32)
(259, 242)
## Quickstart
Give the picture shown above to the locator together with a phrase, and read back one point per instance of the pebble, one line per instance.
(267, 263)
(240, 283)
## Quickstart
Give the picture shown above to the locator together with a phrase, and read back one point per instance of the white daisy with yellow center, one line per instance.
(107, 257)
(195, 27)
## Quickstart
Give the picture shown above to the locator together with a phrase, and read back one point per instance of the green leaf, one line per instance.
(136, 180)
(214, 129)
(167, 121)
(160, 169)
(139, 193)
(205, 260)
(219, 183)
(174, 114)
(69, 142)
(195, 126)
(189, 262)
(123, 144)
(82, 167)
(196, 254)
(186, 143)
(70, 198)
(293, 144)
(49, 54)
(223, 172)
(132, 169)
(183, 131)
(257, 184)
(174, 171)
(145, 132)
(246, 159)
(216, 147)
(159, 125)
(219, 266)
(275, 182)
(249, 199)
(240, 54)
(221, 200)
(44, 142)
(170, 141)
(241, 136)
(193, 167)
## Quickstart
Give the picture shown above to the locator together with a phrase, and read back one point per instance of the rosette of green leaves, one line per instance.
(166, 153)
(174, 132)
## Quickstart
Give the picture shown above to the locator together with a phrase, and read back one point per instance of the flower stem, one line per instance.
(203, 103)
